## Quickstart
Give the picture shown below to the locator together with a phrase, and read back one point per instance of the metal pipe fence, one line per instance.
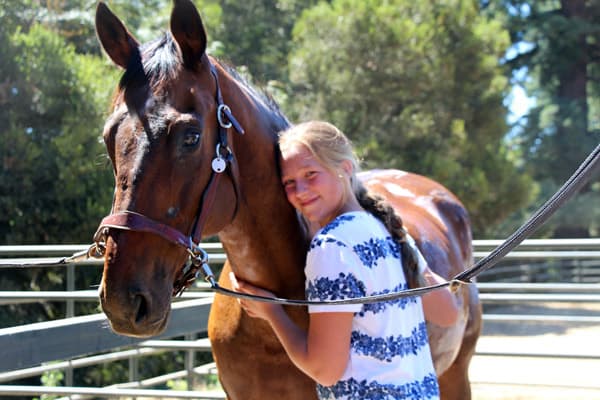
(516, 280)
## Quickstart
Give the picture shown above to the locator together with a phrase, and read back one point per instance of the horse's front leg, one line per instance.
(251, 363)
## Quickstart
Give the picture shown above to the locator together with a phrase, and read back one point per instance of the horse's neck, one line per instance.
(267, 249)
(265, 243)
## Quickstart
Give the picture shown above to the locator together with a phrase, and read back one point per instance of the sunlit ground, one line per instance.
(533, 378)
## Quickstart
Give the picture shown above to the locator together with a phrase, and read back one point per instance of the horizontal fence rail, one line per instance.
(531, 275)
(28, 345)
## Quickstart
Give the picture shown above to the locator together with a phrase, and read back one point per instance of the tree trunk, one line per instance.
(572, 121)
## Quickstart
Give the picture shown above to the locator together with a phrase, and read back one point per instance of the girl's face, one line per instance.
(315, 191)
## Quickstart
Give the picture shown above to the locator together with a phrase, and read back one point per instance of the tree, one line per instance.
(417, 86)
(256, 34)
(556, 50)
(55, 182)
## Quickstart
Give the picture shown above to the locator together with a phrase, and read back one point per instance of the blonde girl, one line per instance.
(359, 248)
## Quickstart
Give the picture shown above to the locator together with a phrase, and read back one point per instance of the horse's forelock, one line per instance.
(161, 60)
(150, 68)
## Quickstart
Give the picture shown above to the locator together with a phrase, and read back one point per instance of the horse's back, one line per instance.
(433, 216)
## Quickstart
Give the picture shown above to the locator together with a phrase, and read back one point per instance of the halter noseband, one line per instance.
(132, 221)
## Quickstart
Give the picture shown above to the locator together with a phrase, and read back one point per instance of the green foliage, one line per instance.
(558, 125)
(51, 379)
(418, 86)
(256, 34)
(557, 44)
(55, 181)
(147, 18)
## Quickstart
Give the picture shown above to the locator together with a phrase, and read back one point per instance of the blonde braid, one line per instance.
(383, 211)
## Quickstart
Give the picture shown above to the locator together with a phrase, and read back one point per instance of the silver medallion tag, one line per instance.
(219, 165)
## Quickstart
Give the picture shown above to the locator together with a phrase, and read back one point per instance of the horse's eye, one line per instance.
(191, 138)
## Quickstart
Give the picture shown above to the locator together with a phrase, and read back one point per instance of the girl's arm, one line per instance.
(322, 352)
(439, 306)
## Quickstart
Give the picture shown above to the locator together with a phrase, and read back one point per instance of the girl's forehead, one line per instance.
(295, 150)
(297, 157)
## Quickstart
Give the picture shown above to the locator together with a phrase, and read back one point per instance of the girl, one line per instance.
(359, 248)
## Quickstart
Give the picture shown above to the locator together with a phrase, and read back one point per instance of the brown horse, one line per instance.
(180, 166)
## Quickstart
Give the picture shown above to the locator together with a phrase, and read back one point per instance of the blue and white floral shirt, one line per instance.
(354, 256)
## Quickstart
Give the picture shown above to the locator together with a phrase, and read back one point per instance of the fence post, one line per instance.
(70, 312)
(189, 363)
(134, 370)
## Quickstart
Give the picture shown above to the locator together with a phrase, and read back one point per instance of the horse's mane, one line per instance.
(157, 63)
(257, 93)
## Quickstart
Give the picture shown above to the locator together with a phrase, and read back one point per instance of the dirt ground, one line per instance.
(533, 378)
(501, 392)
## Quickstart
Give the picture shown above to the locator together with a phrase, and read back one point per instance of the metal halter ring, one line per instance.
(197, 254)
(228, 153)
(223, 109)
(96, 250)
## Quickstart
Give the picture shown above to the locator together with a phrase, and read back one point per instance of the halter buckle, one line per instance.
(198, 255)
(199, 259)
(98, 248)
(224, 111)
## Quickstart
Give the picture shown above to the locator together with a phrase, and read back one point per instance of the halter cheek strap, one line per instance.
(223, 157)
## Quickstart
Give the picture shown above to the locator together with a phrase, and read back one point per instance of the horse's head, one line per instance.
(167, 141)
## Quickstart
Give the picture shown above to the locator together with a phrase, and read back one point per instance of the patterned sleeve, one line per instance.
(331, 274)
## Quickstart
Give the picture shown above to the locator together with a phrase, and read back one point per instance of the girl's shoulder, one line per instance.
(348, 231)
(342, 222)
(348, 223)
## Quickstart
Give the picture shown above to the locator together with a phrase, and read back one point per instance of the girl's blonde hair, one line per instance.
(331, 148)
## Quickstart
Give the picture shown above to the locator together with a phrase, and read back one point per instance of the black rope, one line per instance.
(49, 262)
(52, 262)
(579, 178)
(357, 300)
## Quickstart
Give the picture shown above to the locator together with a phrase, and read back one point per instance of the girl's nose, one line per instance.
(301, 187)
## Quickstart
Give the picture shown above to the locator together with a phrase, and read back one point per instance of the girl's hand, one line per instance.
(255, 309)
(322, 352)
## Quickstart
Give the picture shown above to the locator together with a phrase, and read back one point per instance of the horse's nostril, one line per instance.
(140, 303)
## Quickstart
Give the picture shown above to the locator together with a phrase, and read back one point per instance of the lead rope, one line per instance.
(579, 178)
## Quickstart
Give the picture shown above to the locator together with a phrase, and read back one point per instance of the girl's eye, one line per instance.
(191, 138)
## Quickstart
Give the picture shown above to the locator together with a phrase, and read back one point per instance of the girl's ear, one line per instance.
(347, 168)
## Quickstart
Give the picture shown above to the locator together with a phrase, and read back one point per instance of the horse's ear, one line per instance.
(118, 43)
(188, 31)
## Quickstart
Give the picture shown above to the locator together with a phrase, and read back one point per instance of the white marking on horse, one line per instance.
(398, 190)
(427, 203)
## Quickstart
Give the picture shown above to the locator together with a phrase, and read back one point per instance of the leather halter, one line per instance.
(128, 220)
